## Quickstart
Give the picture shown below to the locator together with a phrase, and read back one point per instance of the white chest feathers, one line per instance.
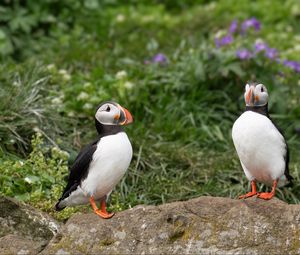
(260, 147)
(110, 162)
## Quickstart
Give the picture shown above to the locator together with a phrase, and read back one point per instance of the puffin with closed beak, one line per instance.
(101, 164)
(260, 145)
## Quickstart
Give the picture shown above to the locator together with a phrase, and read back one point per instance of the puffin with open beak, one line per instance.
(260, 145)
(101, 164)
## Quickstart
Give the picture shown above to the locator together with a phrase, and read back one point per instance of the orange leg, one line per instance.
(268, 195)
(252, 193)
(102, 213)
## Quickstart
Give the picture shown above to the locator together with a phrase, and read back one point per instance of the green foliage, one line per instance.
(25, 23)
(36, 177)
(39, 179)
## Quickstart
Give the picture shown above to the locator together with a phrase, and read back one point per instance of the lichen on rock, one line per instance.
(22, 226)
(202, 225)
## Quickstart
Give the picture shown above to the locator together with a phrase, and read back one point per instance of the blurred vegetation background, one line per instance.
(180, 68)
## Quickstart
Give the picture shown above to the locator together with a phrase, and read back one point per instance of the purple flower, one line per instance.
(243, 54)
(293, 65)
(159, 58)
(252, 22)
(225, 40)
(271, 53)
(297, 68)
(260, 46)
(233, 26)
(289, 63)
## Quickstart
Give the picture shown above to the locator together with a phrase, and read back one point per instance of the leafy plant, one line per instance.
(36, 176)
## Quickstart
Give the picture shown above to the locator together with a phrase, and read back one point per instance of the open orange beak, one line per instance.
(250, 97)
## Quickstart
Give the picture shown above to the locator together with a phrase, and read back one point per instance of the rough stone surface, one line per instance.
(13, 244)
(206, 225)
(23, 229)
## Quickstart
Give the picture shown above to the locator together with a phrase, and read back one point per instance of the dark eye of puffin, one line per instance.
(108, 108)
(262, 89)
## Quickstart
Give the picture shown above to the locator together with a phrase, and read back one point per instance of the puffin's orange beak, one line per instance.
(250, 97)
(128, 117)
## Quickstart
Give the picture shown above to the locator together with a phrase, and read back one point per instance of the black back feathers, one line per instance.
(78, 171)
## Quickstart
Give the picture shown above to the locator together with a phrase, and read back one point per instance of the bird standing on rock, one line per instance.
(101, 164)
(261, 147)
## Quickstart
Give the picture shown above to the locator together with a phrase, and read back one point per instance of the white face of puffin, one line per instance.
(256, 95)
(111, 113)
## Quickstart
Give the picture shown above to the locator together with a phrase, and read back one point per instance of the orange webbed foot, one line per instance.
(265, 195)
(268, 195)
(104, 215)
(249, 194)
(101, 212)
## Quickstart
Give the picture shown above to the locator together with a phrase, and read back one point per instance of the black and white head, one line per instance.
(256, 95)
(112, 114)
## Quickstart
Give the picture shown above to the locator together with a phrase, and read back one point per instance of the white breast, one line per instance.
(110, 162)
(260, 147)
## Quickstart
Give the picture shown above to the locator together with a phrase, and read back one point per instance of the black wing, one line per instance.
(79, 170)
(287, 171)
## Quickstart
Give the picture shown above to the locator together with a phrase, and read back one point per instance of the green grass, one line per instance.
(25, 109)
(183, 110)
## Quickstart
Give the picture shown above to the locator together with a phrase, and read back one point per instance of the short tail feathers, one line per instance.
(68, 190)
(59, 207)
